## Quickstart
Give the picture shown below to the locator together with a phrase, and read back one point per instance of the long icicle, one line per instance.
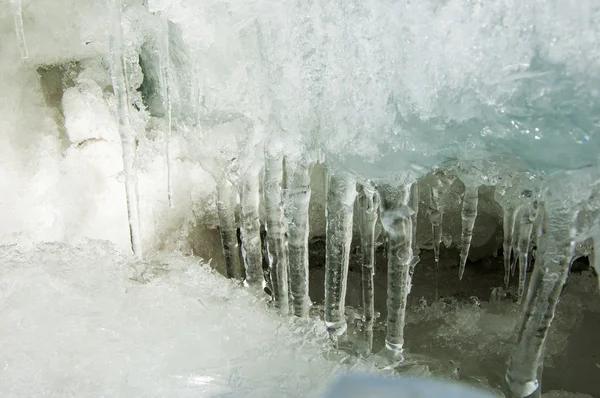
(555, 253)
(368, 207)
(19, 31)
(165, 69)
(596, 259)
(414, 205)
(510, 216)
(528, 216)
(250, 230)
(226, 207)
(341, 193)
(298, 198)
(120, 89)
(438, 191)
(396, 218)
(276, 229)
(468, 214)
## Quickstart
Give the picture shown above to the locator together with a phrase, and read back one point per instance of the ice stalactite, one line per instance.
(341, 193)
(507, 197)
(250, 229)
(298, 198)
(164, 58)
(396, 218)
(554, 257)
(414, 205)
(368, 208)
(438, 192)
(227, 201)
(509, 217)
(468, 215)
(528, 215)
(126, 132)
(276, 228)
(596, 255)
(19, 31)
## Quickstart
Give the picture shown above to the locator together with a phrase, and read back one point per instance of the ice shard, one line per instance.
(298, 198)
(227, 201)
(368, 208)
(19, 31)
(276, 227)
(396, 218)
(341, 193)
(250, 229)
(468, 215)
(126, 132)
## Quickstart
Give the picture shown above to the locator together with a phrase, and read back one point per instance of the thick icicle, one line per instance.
(368, 207)
(468, 214)
(226, 206)
(298, 198)
(555, 253)
(250, 230)
(120, 89)
(165, 66)
(276, 228)
(596, 256)
(396, 218)
(19, 31)
(341, 192)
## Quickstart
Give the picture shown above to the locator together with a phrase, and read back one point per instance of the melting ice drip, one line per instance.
(540, 209)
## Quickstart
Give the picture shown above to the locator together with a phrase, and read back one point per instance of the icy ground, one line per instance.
(88, 321)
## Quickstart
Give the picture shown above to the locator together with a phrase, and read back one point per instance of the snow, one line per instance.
(86, 320)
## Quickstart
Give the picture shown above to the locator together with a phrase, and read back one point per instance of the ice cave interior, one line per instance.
(251, 198)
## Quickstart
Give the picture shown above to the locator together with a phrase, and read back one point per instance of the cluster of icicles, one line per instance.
(554, 214)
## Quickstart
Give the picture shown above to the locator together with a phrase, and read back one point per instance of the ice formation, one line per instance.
(486, 112)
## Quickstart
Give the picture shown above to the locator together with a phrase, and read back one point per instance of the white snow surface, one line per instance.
(89, 321)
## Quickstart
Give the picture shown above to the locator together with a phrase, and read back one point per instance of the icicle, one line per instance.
(438, 191)
(510, 216)
(120, 89)
(555, 254)
(298, 195)
(18, 17)
(276, 230)
(250, 231)
(528, 216)
(165, 66)
(469, 214)
(341, 192)
(226, 206)
(368, 206)
(414, 205)
(396, 218)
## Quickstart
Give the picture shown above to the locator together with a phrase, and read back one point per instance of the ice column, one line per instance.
(555, 253)
(368, 207)
(250, 230)
(227, 196)
(341, 192)
(120, 88)
(165, 66)
(298, 198)
(468, 214)
(396, 217)
(276, 228)
(18, 17)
